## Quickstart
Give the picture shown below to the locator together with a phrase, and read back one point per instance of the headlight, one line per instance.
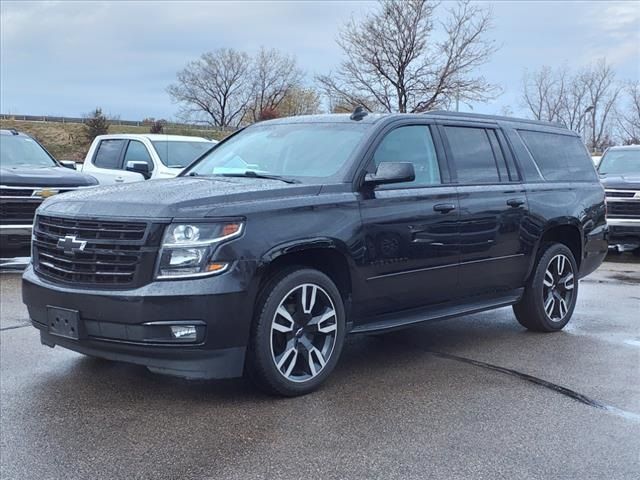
(187, 248)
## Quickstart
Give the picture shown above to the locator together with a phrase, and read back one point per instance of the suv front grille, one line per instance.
(16, 192)
(629, 209)
(93, 252)
(18, 212)
(18, 204)
(620, 193)
(91, 229)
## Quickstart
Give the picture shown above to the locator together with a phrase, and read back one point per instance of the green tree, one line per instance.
(95, 124)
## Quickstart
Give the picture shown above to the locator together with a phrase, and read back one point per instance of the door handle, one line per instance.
(444, 207)
(119, 179)
(515, 202)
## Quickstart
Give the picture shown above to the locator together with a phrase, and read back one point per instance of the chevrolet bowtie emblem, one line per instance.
(69, 244)
(44, 193)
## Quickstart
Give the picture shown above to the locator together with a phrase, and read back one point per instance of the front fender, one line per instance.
(303, 244)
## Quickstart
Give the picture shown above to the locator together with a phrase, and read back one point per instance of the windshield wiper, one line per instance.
(254, 174)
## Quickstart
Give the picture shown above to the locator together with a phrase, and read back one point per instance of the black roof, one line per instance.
(328, 118)
(493, 118)
(374, 117)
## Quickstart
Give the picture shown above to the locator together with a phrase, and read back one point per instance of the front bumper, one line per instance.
(624, 233)
(15, 246)
(111, 321)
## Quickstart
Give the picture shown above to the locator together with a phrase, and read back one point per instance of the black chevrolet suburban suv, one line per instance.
(28, 175)
(620, 174)
(292, 233)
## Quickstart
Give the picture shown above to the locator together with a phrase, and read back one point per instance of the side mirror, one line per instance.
(139, 167)
(68, 164)
(391, 172)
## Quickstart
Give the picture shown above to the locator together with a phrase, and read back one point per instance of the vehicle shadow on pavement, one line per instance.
(367, 361)
(364, 360)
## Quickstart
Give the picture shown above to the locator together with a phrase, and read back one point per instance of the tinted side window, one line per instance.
(559, 157)
(526, 165)
(137, 152)
(108, 154)
(472, 155)
(411, 144)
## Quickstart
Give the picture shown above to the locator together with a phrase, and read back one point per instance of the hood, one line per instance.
(44, 177)
(629, 181)
(186, 197)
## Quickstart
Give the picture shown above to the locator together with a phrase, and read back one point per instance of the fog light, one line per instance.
(184, 332)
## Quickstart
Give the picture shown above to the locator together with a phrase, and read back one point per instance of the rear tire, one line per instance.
(551, 293)
(298, 332)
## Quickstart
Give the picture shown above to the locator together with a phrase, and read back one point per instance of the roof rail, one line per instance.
(482, 116)
(13, 131)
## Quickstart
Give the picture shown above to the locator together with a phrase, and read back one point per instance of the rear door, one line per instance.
(410, 229)
(493, 207)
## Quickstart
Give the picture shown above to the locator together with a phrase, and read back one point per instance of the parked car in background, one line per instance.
(28, 175)
(122, 158)
(619, 172)
(294, 232)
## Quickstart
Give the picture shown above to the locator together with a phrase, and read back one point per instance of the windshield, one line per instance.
(302, 150)
(19, 151)
(619, 162)
(176, 154)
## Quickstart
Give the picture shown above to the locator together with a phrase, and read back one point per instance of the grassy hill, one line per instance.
(67, 141)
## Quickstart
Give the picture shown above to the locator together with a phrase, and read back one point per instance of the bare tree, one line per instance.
(556, 96)
(216, 89)
(629, 118)
(584, 101)
(575, 104)
(602, 94)
(274, 76)
(393, 64)
(544, 93)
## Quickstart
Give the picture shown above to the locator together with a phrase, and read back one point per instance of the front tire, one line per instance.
(551, 293)
(298, 332)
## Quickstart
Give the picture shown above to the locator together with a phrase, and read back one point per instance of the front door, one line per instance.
(410, 229)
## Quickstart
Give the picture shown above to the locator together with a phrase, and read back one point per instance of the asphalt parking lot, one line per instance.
(474, 397)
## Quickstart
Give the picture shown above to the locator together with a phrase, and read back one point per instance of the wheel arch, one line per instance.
(565, 231)
(327, 255)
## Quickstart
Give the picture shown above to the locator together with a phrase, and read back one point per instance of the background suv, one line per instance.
(292, 233)
(28, 175)
(620, 174)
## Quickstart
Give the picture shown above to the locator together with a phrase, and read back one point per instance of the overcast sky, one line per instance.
(67, 57)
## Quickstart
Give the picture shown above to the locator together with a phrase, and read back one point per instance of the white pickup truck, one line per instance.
(121, 158)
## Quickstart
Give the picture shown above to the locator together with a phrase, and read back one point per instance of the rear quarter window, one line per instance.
(559, 157)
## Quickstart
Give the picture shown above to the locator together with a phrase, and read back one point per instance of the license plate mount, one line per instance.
(63, 322)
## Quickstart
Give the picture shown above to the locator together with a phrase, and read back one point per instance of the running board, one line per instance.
(407, 318)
